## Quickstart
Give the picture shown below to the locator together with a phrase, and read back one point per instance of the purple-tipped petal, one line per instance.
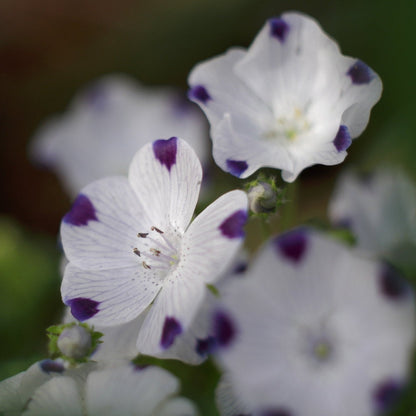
(165, 151)
(81, 212)
(224, 329)
(83, 308)
(236, 167)
(205, 346)
(51, 366)
(199, 93)
(278, 28)
(342, 140)
(360, 73)
(171, 329)
(233, 226)
(292, 245)
(386, 394)
(391, 283)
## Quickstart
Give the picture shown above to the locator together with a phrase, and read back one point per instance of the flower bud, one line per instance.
(74, 342)
(262, 198)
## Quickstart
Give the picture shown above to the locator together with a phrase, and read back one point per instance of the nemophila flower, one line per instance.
(314, 329)
(107, 123)
(289, 101)
(98, 391)
(380, 210)
(131, 247)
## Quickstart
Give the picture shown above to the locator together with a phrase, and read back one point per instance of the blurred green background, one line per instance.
(49, 50)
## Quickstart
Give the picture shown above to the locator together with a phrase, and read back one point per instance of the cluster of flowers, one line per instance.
(310, 327)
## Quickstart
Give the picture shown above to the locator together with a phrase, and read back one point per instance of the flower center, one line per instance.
(158, 250)
(322, 350)
(288, 127)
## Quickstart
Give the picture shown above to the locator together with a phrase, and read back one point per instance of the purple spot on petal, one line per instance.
(240, 267)
(236, 167)
(278, 28)
(205, 346)
(342, 140)
(391, 283)
(165, 151)
(232, 227)
(386, 394)
(224, 329)
(51, 366)
(199, 93)
(171, 329)
(292, 245)
(81, 212)
(83, 308)
(360, 73)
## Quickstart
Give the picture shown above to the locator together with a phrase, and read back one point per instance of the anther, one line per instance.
(145, 265)
(153, 228)
(136, 251)
(142, 235)
(155, 251)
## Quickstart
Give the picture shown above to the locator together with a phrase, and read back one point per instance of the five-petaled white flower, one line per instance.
(380, 210)
(48, 389)
(290, 101)
(325, 332)
(107, 123)
(131, 248)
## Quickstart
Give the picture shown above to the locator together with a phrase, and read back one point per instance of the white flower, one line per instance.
(107, 123)
(380, 210)
(314, 330)
(131, 248)
(95, 391)
(290, 101)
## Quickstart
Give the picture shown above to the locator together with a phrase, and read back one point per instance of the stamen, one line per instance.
(142, 235)
(155, 251)
(145, 265)
(136, 251)
(153, 228)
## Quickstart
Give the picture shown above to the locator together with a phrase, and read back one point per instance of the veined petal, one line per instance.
(124, 390)
(172, 312)
(213, 238)
(109, 297)
(166, 176)
(59, 396)
(100, 230)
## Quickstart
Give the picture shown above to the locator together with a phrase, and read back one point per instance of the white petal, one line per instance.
(166, 176)
(59, 396)
(228, 403)
(214, 237)
(124, 390)
(109, 297)
(178, 406)
(11, 399)
(100, 230)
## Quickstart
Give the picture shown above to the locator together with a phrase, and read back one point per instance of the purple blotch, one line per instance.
(391, 282)
(51, 366)
(205, 346)
(82, 211)
(199, 93)
(386, 394)
(223, 328)
(233, 226)
(240, 267)
(292, 245)
(236, 167)
(278, 28)
(82, 308)
(165, 151)
(360, 73)
(342, 140)
(171, 329)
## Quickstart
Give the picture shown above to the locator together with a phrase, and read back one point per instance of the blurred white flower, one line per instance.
(131, 246)
(107, 123)
(291, 100)
(380, 210)
(93, 390)
(314, 330)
